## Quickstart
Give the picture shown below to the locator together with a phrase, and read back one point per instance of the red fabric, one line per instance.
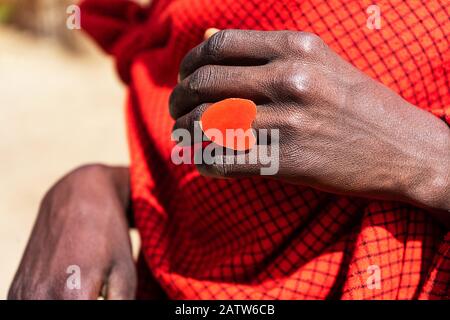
(259, 238)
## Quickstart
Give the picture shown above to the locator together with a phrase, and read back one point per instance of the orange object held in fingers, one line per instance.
(229, 123)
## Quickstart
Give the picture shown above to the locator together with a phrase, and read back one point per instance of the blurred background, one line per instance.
(61, 105)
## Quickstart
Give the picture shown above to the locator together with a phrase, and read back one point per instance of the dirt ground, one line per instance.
(58, 110)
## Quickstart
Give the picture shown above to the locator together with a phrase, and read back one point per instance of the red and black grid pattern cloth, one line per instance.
(259, 238)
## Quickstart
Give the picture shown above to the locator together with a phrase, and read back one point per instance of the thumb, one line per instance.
(122, 283)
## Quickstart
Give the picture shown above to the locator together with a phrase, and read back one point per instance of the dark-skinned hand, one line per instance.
(81, 222)
(339, 130)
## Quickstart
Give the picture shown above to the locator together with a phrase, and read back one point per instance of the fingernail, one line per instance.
(210, 32)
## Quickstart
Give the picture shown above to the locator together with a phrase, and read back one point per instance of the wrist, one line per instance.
(432, 187)
(97, 183)
(121, 180)
(434, 192)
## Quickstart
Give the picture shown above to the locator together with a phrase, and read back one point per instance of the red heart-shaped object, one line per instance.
(230, 114)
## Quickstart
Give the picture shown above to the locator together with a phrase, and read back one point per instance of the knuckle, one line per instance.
(296, 80)
(216, 43)
(189, 120)
(310, 42)
(304, 42)
(200, 80)
(196, 114)
(300, 84)
(293, 39)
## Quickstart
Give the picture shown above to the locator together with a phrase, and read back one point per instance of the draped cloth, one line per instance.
(257, 238)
